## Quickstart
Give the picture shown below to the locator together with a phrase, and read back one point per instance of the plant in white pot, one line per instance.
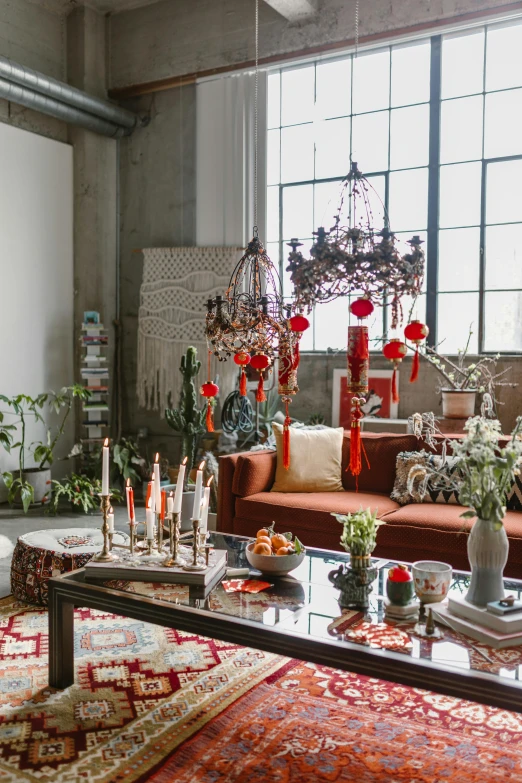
(483, 474)
(32, 485)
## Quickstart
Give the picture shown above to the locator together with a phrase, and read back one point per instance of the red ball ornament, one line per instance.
(259, 361)
(298, 323)
(395, 350)
(209, 389)
(416, 331)
(242, 358)
(362, 308)
(399, 573)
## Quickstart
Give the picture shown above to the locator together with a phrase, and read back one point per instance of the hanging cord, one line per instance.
(256, 111)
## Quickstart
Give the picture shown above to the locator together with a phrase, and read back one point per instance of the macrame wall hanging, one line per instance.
(177, 282)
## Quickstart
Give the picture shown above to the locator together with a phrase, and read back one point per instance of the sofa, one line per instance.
(418, 531)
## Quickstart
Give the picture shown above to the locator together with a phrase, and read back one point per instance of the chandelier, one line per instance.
(355, 258)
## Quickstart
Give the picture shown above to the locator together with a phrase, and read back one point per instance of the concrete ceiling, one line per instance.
(293, 10)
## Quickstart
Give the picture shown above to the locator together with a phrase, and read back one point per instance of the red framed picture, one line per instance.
(378, 403)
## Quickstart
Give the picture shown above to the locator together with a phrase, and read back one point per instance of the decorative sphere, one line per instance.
(209, 389)
(362, 308)
(298, 323)
(242, 358)
(259, 361)
(416, 331)
(395, 350)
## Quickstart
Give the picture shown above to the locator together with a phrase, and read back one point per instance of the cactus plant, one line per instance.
(187, 419)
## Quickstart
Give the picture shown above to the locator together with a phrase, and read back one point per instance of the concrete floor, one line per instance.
(14, 523)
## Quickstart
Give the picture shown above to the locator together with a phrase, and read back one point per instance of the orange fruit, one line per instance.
(278, 540)
(263, 532)
(262, 549)
(264, 540)
(283, 550)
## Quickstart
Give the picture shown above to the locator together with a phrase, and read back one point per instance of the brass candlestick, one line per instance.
(159, 531)
(173, 558)
(105, 555)
(195, 565)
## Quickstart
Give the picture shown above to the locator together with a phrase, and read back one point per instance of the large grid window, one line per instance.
(436, 125)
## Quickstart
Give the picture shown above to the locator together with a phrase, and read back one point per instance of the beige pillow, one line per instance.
(315, 460)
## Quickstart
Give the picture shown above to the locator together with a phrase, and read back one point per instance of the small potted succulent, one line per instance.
(359, 538)
(399, 585)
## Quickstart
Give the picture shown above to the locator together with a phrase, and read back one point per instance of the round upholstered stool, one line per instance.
(45, 553)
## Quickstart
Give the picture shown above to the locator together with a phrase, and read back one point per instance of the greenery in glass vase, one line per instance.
(484, 472)
(359, 536)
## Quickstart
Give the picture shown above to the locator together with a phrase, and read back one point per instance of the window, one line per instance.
(435, 126)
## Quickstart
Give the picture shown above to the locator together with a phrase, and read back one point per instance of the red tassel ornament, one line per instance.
(356, 443)
(298, 324)
(286, 439)
(260, 393)
(210, 391)
(415, 366)
(242, 359)
(395, 391)
(416, 331)
(395, 351)
(243, 383)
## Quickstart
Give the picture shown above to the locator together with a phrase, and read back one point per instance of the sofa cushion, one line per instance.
(255, 472)
(308, 510)
(381, 450)
(315, 460)
(435, 490)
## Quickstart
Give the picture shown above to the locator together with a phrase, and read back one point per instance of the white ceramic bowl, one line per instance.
(432, 580)
(273, 564)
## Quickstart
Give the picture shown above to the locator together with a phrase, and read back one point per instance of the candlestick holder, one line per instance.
(173, 558)
(105, 556)
(195, 565)
(159, 531)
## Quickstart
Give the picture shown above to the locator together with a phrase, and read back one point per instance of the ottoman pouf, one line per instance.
(45, 553)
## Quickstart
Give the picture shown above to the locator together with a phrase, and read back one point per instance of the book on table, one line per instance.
(481, 633)
(129, 568)
(507, 624)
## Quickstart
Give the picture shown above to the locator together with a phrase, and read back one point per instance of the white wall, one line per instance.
(36, 270)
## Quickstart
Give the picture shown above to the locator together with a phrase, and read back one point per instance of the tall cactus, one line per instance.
(186, 418)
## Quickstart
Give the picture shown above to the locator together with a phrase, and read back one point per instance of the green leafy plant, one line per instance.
(61, 403)
(81, 492)
(187, 419)
(128, 462)
(484, 472)
(316, 418)
(359, 536)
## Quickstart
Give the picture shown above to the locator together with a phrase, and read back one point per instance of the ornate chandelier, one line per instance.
(355, 258)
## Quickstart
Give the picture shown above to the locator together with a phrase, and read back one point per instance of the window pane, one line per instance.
(462, 64)
(272, 249)
(456, 314)
(408, 200)
(502, 135)
(273, 116)
(297, 153)
(402, 239)
(370, 141)
(460, 195)
(298, 211)
(298, 95)
(461, 130)
(371, 81)
(504, 192)
(503, 321)
(288, 288)
(376, 196)
(375, 324)
(273, 157)
(459, 259)
(504, 256)
(332, 91)
(332, 148)
(331, 324)
(327, 196)
(410, 74)
(412, 310)
(272, 214)
(504, 58)
(409, 136)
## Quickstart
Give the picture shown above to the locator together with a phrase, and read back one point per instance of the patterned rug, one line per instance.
(152, 704)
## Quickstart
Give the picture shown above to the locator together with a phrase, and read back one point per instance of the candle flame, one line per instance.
(157, 457)
(106, 442)
(184, 462)
(201, 465)
(209, 482)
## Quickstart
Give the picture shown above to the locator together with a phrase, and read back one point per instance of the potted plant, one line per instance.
(482, 475)
(31, 486)
(82, 492)
(462, 382)
(359, 538)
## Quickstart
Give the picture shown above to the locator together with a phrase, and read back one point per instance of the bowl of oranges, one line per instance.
(275, 553)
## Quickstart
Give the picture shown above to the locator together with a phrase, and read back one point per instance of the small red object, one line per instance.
(163, 504)
(242, 358)
(259, 361)
(395, 351)
(416, 331)
(362, 308)
(299, 323)
(286, 438)
(209, 389)
(260, 393)
(399, 573)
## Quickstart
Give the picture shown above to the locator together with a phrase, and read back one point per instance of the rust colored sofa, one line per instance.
(418, 531)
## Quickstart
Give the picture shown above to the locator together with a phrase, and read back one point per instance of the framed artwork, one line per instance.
(378, 404)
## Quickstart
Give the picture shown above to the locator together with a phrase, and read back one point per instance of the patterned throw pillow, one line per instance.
(514, 496)
(407, 460)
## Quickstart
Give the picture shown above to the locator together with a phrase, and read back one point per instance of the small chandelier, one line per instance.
(352, 257)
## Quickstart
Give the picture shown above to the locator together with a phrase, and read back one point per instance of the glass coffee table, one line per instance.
(298, 617)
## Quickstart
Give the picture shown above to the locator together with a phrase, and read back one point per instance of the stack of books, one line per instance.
(481, 623)
(95, 376)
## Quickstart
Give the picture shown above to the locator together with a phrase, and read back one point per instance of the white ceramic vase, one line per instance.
(487, 553)
(457, 403)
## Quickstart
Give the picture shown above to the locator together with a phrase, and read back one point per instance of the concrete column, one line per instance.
(95, 185)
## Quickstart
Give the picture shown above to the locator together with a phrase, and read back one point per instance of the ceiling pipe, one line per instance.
(40, 92)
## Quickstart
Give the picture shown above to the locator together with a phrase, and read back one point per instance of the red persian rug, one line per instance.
(152, 704)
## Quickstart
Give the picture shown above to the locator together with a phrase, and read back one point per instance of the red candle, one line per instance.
(163, 504)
